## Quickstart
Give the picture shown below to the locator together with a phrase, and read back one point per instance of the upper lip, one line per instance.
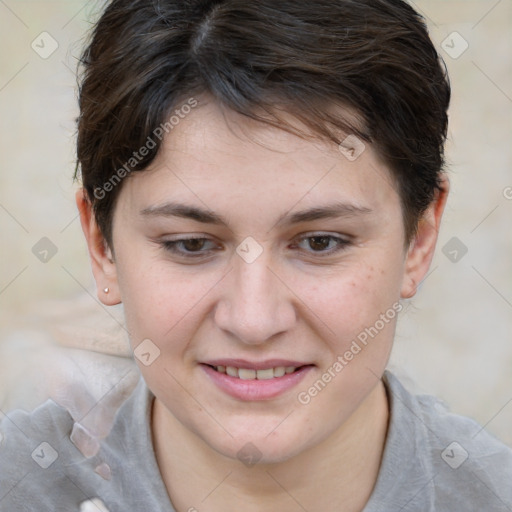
(255, 365)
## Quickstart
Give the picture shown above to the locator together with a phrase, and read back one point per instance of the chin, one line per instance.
(258, 451)
(251, 447)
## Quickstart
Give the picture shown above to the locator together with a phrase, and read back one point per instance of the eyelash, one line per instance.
(172, 246)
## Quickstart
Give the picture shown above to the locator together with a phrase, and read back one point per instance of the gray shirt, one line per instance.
(433, 461)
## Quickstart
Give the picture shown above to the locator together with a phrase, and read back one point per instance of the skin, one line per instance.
(295, 301)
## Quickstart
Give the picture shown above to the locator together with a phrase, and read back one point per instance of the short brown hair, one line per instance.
(146, 57)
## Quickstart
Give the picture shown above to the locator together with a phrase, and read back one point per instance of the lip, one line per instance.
(254, 389)
(255, 365)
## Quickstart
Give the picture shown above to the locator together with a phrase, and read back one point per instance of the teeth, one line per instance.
(280, 371)
(265, 374)
(247, 374)
(231, 371)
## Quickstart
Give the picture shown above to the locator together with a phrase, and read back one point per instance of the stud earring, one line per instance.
(106, 290)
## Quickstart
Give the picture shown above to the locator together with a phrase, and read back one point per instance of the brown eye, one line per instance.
(319, 243)
(193, 244)
(322, 244)
(190, 247)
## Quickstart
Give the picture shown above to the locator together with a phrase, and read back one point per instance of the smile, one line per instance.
(247, 373)
(263, 381)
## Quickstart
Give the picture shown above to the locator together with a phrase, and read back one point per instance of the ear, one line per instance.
(102, 262)
(421, 250)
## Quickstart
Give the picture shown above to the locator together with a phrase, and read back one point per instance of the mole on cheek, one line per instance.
(370, 273)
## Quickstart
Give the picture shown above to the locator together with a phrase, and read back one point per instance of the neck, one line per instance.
(338, 473)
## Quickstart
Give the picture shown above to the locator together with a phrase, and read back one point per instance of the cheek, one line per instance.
(360, 308)
(352, 299)
(164, 306)
(162, 303)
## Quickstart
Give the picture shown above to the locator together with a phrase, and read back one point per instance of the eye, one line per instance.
(189, 247)
(318, 243)
(323, 244)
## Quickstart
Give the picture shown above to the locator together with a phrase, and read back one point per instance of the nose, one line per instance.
(255, 305)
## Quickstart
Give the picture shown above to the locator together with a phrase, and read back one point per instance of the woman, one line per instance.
(262, 184)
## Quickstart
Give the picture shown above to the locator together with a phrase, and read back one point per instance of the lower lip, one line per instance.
(254, 389)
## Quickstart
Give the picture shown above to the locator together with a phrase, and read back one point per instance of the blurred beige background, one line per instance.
(454, 339)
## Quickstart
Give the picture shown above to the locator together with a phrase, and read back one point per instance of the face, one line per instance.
(265, 270)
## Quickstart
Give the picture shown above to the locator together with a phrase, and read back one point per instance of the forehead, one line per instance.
(224, 161)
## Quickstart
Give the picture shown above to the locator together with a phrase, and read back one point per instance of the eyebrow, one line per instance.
(329, 211)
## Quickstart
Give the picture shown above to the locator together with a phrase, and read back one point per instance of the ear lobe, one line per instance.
(422, 247)
(102, 261)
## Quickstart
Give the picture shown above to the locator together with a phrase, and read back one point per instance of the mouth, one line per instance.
(251, 374)
(255, 381)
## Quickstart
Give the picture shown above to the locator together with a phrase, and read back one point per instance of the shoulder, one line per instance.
(43, 470)
(33, 449)
(463, 465)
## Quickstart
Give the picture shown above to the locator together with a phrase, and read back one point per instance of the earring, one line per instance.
(106, 290)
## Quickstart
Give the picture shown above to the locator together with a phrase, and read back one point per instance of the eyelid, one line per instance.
(172, 244)
(343, 242)
(312, 234)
